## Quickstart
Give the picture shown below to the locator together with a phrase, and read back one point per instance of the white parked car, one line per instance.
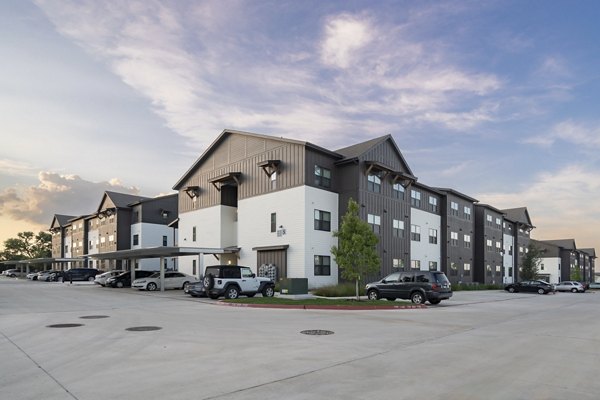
(32, 276)
(570, 286)
(102, 278)
(173, 280)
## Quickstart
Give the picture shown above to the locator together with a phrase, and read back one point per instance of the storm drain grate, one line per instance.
(317, 332)
(63, 325)
(94, 316)
(143, 328)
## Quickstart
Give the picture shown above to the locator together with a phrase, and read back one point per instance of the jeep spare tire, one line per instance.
(209, 281)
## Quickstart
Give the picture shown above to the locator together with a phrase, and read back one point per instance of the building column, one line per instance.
(162, 274)
(200, 264)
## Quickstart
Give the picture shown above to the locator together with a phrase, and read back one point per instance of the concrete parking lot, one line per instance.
(478, 345)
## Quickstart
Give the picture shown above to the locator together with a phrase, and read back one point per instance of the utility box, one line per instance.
(294, 286)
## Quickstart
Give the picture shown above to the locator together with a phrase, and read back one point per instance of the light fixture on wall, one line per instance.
(164, 213)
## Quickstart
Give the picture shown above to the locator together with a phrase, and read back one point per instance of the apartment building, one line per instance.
(60, 229)
(489, 251)
(458, 235)
(590, 267)
(521, 226)
(508, 256)
(552, 258)
(425, 228)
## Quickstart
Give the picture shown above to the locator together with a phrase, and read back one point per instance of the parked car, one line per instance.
(569, 286)
(535, 286)
(418, 286)
(124, 280)
(11, 273)
(233, 280)
(196, 289)
(594, 285)
(81, 274)
(101, 278)
(173, 280)
(48, 276)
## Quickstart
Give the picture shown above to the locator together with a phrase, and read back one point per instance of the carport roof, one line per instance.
(43, 260)
(163, 251)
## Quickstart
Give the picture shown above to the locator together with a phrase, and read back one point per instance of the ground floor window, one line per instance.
(322, 266)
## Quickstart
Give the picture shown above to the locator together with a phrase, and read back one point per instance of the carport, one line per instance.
(162, 253)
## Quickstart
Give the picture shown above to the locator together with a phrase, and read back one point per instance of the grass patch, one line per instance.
(318, 302)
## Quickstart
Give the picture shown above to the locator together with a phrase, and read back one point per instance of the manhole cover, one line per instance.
(64, 325)
(317, 332)
(143, 328)
(94, 316)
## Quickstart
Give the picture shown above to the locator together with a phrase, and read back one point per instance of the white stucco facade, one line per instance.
(249, 226)
(508, 258)
(151, 235)
(423, 250)
(550, 266)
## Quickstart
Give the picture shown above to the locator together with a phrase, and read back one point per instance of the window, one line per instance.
(136, 240)
(373, 183)
(322, 265)
(498, 223)
(398, 228)
(467, 241)
(398, 191)
(415, 198)
(433, 236)
(521, 250)
(467, 212)
(433, 265)
(489, 220)
(454, 239)
(510, 250)
(498, 270)
(274, 222)
(375, 222)
(415, 233)
(433, 204)
(164, 241)
(498, 247)
(488, 270)
(322, 220)
(193, 234)
(454, 208)
(510, 271)
(453, 269)
(467, 267)
(322, 176)
(415, 264)
(111, 238)
(274, 180)
(397, 263)
(194, 267)
(488, 245)
(66, 248)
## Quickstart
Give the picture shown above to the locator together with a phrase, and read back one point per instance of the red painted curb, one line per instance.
(317, 307)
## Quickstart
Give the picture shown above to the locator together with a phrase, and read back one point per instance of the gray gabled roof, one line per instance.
(590, 252)
(62, 220)
(567, 244)
(355, 151)
(457, 193)
(121, 200)
(152, 199)
(520, 215)
(228, 132)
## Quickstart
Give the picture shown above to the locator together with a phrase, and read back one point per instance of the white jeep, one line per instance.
(232, 280)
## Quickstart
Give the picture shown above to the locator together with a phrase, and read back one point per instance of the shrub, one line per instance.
(342, 290)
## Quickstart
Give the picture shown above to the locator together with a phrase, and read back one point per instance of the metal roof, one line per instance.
(163, 251)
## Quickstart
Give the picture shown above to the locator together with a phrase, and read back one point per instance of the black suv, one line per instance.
(232, 280)
(80, 274)
(418, 286)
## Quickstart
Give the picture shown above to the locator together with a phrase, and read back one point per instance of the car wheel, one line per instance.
(574, 290)
(511, 289)
(91, 279)
(417, 298)
(185, 286)
(151, 286)
(373, 294)
(232, 292)
(119, 284)
(541, 291)
(435, 302)
(390, 298)
(269, 291)
(209, 281)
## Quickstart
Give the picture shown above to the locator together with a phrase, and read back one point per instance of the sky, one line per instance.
(497, 99)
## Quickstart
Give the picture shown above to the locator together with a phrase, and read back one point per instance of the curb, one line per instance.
(320, 307)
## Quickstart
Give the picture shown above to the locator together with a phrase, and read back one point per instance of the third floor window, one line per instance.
(322, 176)
(398, 191)
(415, 198)
(374, 183)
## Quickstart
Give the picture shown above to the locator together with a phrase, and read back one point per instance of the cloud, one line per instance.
(344, 35)
(571, 132)
(16, 168)
(56, 194)
(561, 204)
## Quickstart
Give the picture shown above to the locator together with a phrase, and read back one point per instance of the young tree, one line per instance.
(531, 263)
(355, 254)
(27, 245)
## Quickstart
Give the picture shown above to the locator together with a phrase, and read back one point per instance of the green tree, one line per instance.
(576, 273)
(531, 263)
(27, 245)
(356, 253)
